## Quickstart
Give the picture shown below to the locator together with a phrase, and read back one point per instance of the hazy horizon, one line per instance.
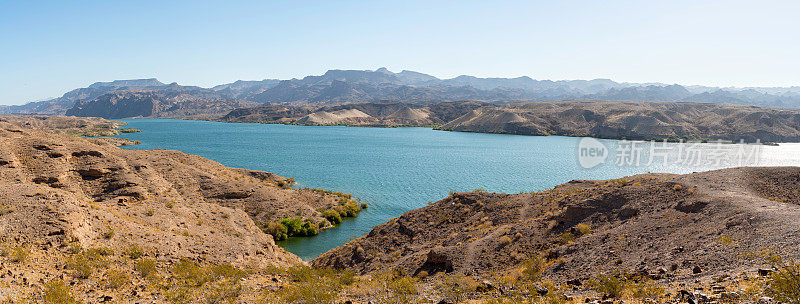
(54, 47)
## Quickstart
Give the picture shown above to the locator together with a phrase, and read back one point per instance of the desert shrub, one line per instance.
(223, 291)
(85, 262)
(116, 279)
(301, 273)
(134, 251)
(226, 271)
(456, 288)
(332, 216)
(567, 237)
(677, 187)
(57, 292)
(395, 289)
(610, 285)
(784, 284)
(554, 295)
(645, 289)
(179, 295)
(533, 268)
(18, 254)
(100, 252)
(188, 273)
(582, 229)
(145, 267)
(320, 291)
(314, 285)
(277, 230)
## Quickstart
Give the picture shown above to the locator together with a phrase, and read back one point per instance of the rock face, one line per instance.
(60, 105)
(634, 120)
(57, 188)
(166, 101)
(586, 227)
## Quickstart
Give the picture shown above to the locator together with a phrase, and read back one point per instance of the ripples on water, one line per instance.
(398, 169)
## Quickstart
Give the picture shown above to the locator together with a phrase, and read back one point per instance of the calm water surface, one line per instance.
(395, 170)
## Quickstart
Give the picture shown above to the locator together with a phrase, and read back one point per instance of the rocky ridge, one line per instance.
(668, 227)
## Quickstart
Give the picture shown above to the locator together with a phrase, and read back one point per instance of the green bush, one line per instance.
(310, 229)
(297, 227)
(332, 216)
(349, 209)
(294, 225)
(277, 230)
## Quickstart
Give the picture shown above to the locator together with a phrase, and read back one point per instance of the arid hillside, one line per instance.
(604, 119)
(383, 114)
(59, 188)
(80, 126)
(634, 120)
(675, 227)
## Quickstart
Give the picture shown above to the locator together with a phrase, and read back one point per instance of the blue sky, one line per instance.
(48, 48)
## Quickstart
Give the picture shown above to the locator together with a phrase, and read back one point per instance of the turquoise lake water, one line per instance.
(395, 170)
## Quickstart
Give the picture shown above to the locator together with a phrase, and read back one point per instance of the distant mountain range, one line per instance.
(151, 98)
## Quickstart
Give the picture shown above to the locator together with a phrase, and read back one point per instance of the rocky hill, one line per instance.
(634, 120)
(678, 227)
